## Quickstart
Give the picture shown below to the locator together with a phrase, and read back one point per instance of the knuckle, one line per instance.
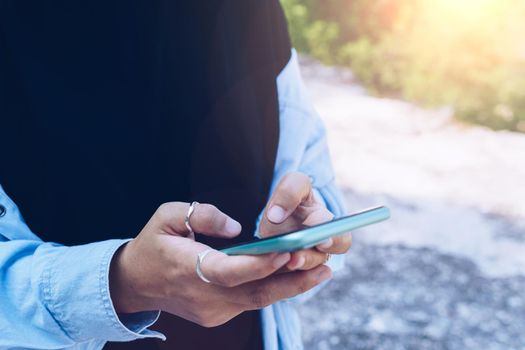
(308, 260)
(304, 178)
(291, 183)
(224, 279)
(345, 242)
(218, 220)
(260, 298)
(163, 211)
(206, 209)
(209, 323)
(212, 218)
(222, 319)
(288, 176)
(287, 195)
(294, 175)
(303, 286)
(205, 324)
(297, 177)
(212, 319)
(166, 211)
(164, 252)
(202, 320)
(311, 259)
(215, 322)
(316, 260)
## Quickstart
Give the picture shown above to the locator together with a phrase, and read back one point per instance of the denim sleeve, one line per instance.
(52, 296)
(303, 147)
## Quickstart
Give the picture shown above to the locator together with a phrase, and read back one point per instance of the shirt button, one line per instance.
(2, 210)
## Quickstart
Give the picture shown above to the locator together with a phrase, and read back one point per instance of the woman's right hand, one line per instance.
(156, 270)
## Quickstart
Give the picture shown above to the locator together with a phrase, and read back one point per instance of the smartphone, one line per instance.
(311, 236)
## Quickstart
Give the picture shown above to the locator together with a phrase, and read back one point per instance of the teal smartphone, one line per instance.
(311, 236)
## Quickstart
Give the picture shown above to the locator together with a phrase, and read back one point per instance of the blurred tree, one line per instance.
(468, 54)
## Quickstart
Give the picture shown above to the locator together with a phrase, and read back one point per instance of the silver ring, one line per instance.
(200, 259)
(191, 209)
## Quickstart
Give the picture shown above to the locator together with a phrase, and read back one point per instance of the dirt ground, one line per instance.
(448, 270)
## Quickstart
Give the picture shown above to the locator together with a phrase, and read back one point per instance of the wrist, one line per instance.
(125, 293)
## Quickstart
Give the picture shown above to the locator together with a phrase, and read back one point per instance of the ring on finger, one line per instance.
(200, 259)
(191, 209)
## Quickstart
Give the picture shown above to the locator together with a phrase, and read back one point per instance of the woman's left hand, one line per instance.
(293, 206)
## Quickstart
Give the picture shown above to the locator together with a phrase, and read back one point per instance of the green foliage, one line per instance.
(316, 37)
(467, 54)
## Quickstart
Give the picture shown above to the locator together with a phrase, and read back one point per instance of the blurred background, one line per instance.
(424, 104)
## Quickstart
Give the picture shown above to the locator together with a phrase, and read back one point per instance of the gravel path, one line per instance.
(448, 270)
(394, 297)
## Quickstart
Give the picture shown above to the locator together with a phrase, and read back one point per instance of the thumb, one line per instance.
(205, 219)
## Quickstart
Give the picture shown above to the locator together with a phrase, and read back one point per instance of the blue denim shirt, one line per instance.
(55, 297)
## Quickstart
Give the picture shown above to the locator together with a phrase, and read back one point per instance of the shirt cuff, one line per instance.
(75, 283)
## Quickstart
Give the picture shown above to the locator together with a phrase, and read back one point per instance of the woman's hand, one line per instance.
(293, 206)
(156, 270)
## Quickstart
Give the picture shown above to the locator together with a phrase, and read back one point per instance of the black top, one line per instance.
(110, 108)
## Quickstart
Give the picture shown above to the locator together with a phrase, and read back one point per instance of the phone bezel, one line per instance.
(306, 229)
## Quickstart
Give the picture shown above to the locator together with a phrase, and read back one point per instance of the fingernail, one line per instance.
(324, 275)
(300, 263)
(276, 214)
(280, 260)
(326, 244)
(232, 227)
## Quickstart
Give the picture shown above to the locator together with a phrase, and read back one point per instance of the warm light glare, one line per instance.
(466, 54)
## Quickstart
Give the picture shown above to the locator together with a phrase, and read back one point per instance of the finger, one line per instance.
(318, 216)
(206, 219)
(260, 294)
(293, 189)
(340, 244)
(306, 259)
(209, 220)
(303, 216)
(231, 271)
(326, 245)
